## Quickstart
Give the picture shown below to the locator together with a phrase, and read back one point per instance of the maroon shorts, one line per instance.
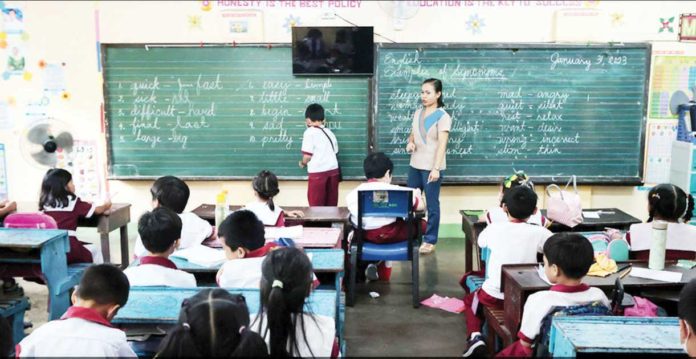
(392, 233)
(322, 189)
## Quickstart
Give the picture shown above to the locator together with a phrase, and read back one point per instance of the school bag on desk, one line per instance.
(564, 206)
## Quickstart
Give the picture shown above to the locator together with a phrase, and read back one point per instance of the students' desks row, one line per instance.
(608, 218)
(520, 280)
(338, 217)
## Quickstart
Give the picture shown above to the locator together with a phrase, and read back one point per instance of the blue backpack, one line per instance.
(541, 349)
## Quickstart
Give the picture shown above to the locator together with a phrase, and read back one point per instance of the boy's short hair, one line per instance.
(159, 229)
(104, 284)
(571, 252)
(520, 201)
(171, 192)
(242, 229)
(687, 304)
(315, 112)
(377, 164)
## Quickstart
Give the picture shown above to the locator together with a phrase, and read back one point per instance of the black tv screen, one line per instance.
(332, 50)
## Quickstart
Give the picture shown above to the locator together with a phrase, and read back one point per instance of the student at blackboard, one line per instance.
(666, 202)
(319, 150)
(59, 201)
(427, 145)
(497, 214)
(173, 193)
(265, 186)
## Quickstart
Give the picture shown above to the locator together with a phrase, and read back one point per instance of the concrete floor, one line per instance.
(385, 326)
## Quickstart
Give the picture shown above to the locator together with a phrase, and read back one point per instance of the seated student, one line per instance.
(511, 242)
(160, 231)
(265, 186)
(213, 324)
(687, 318)
(85, 329)
(666, 202)
(59, 201)
(567, 259)
(6, 341)
(242, 235)
(497, 214)
(378, 171)
(286, 283)
(173, 193)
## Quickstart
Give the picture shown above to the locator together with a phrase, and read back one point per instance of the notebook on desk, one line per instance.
(202, 255)
(316, 237)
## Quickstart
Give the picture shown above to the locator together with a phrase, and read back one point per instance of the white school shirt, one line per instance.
(497, 214)
(317, 145)
(509, 243)
(240, 273)
(540, 303)
(81, 332)
(194, 230)
(154, 271)
(319, 330)
(370, 223)
(680, 236)
(264, 213)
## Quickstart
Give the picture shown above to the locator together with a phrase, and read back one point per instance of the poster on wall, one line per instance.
(244, 25)
(659, 151)
(3, 174)
(13, 58)
(669, 74)
(83, 164)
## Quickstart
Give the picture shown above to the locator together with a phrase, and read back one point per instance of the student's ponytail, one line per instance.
(179, 342)
(250, 345)
(266, 185)
(279, 321)
(689, 208)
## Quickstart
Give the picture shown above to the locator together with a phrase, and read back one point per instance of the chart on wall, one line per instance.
(670, 74)
(660, 136)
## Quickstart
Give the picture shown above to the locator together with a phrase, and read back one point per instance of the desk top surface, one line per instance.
(29, 238)
(525, 275)
(311, 214)
(599, 334)
(323, 260)
(161, 304)
(608, 217)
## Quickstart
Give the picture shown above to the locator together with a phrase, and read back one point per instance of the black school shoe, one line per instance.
(476, 347)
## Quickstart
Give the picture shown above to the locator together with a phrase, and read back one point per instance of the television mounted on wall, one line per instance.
(332, 50)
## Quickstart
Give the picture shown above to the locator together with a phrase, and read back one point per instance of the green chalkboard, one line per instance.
(550, 110)
(222, 112)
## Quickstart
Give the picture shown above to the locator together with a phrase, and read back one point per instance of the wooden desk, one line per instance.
(472, 227)
(117, 217)
(46, 247)
(338, 217)
(520, 280)
(574, 336)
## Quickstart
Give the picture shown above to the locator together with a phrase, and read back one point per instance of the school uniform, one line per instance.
(381, 229)
(66, 218)
(539, 304)
(194, 230)
(275, 218)
(158, 271)
(497, 214)
(243, 272)
(80, 332)
(681, 241)
(322, 188)
(319, 330)
(508, 243)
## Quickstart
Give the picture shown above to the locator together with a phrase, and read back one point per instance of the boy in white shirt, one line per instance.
(378, 171)
(242, 237)
(567, 259)
(160, 231)
(512, 242)
(85, 329)
(173, 193)
(319, 154)
(497, 214)
(687, 318)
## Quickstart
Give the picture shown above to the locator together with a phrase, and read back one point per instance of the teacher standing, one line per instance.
(427, 145)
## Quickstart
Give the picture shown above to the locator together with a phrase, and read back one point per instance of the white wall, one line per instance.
(69, 31)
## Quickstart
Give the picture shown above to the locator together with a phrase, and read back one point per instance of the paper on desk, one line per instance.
(452, 305)
(202, 255)
(591, 214)
(661, 275)
(293, 232)
(542, 274)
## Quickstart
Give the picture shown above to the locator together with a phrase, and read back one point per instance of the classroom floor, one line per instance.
(385, 326)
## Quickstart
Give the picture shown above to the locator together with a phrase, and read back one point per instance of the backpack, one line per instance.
(541, 348)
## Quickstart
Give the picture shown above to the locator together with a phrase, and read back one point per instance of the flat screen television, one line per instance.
(334, 50)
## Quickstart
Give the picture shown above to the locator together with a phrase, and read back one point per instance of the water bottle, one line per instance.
(658, 246)
(221, 208)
